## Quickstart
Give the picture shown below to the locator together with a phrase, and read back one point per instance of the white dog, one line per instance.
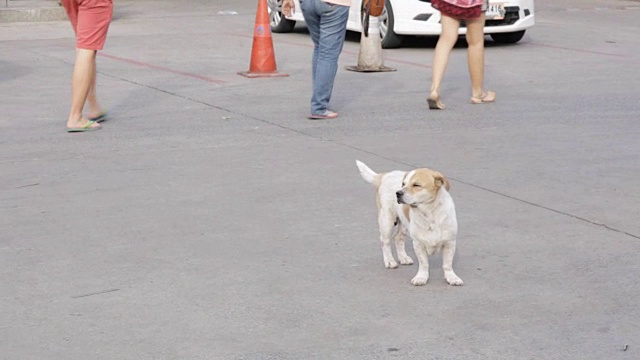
(417, 201)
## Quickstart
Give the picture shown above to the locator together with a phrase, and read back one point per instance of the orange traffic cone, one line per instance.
(263, 61)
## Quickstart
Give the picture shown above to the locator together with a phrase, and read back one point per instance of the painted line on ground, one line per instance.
(162, 68)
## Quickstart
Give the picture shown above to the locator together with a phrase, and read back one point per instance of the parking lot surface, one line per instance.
(209, 219)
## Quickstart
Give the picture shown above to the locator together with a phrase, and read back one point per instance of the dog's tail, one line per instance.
(367, 174)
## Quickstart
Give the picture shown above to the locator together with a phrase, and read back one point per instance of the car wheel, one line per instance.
(279, 24)
(389, 38)
(508, 38)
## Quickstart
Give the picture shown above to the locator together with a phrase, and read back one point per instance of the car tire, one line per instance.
(279, 24)
(389, 38)
(508, 38)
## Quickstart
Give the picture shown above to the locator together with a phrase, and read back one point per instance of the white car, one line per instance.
(507, 20)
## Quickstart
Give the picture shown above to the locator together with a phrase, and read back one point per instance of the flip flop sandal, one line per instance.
(88, 127)
(327, 115)
(100, 118)
(487, 97)
(435, 103)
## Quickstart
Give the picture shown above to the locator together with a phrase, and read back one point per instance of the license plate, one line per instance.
(495, 11)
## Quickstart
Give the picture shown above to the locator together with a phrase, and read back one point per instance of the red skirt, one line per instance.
(457, 12)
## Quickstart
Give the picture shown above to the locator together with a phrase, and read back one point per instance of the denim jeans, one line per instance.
(327, 24)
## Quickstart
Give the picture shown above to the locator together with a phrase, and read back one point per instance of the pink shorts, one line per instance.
(90, 20)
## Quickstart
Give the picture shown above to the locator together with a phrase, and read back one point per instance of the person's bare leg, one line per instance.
(95, 109)
(83, 71)
(475, 55)
(446, 42)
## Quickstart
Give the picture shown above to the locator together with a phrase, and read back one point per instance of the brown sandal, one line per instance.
(487, 97)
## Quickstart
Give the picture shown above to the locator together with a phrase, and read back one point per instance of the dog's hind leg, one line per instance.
(448, 250)
(386, 222)
(400, 246)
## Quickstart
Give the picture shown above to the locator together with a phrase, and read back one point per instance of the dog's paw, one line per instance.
(390, 264)
(419, 280)
(453, 279)
(405, 260)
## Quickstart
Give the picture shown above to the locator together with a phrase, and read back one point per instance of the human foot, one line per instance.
(434, 101)
(485, 97)
(327, 114)
(82, 125)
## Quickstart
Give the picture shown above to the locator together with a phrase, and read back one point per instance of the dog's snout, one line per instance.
(399, 193)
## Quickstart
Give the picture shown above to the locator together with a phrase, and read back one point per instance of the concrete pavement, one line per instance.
(31, 11)
(210, 220)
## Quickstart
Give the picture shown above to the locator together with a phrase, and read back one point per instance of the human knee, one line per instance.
(474, 40)
(475, 34)
(448, 39)
(85, 53)
(85, 62)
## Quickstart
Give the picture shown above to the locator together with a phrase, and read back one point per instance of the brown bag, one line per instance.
(370, 8)
(373, 7)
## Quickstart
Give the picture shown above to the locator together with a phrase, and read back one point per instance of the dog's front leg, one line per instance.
(387, 232)
(448, 251)
(422, 276)
(400, 247)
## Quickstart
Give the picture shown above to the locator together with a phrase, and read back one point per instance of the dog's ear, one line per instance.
(404, 179)
(441, 180)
